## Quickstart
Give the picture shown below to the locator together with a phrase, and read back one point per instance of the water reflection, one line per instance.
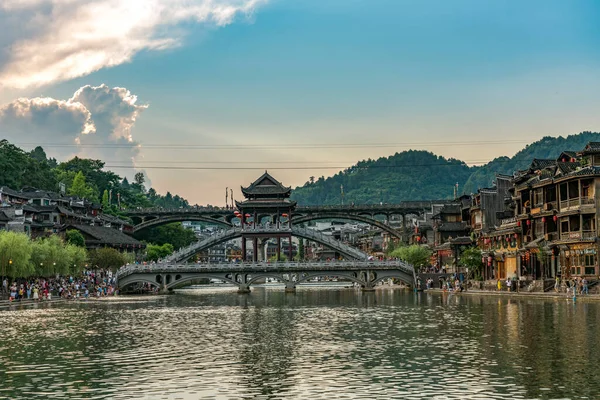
(321, 344)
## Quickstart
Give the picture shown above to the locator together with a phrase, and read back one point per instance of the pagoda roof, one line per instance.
(266, 186)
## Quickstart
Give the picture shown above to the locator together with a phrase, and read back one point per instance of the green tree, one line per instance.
(415, 255)
(471, 258)
(282, 258)
(77, 257)
(105, 200)
(107, 258)
(155, 252)
(15, 254)
(81, 189)
(73, 236)
(173, 233)
(301, 250)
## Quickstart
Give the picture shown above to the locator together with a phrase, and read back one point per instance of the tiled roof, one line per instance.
(4, 217)
(591, 147)
(112, 219)
(567, 167)
(266, 185)
(538, 163)
(10, 192)
(108, 236)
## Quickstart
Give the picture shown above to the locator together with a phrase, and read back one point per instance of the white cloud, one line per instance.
(96, 122)
(57, 40)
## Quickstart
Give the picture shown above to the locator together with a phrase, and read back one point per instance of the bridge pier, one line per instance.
(243, 289)
(367, 289)
(290, 286)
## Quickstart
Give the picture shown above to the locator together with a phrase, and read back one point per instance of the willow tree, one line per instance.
(15, 254)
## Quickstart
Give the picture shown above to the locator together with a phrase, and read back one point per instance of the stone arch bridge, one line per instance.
(377, 215)
(169, 276)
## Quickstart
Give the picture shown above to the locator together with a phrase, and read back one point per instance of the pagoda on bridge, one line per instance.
(267, 200)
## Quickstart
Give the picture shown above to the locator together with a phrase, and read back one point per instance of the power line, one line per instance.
(299, 168)
(190, 146)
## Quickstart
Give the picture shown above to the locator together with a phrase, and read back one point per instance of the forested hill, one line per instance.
(410, 175)
(421, 175)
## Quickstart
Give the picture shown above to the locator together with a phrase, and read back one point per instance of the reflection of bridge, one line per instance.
(145, 218)
(171, 276)
(233, 233)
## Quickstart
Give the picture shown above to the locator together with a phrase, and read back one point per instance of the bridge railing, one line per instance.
(187, 210)
(263, 267)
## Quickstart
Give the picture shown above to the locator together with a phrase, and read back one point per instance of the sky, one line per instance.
(201, 95)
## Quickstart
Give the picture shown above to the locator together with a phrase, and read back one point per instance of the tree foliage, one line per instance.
(41, 257)
(15, 254)
(415, 255)
(421, 175)
(156, 252)
(173, 233)
(74, 237)
(107, 258)
(471, 258)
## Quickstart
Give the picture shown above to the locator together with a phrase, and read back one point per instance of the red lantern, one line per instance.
(518, 223)
(247, 215)
(284, 215)
(555, 218)
(543, 219)
(528, 222)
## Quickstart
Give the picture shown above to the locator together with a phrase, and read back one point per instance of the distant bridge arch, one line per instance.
(162, 220)
(300, 219)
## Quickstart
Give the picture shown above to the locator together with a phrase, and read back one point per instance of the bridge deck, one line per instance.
(265, 267)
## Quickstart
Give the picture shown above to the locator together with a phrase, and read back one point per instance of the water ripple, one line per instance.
(317, 344)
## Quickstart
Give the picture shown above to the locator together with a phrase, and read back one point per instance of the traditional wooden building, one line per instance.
(556, 211)
(266, 213)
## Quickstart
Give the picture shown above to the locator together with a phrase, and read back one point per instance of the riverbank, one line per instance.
(504, 293)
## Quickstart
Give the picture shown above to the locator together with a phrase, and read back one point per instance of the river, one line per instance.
(314, 344)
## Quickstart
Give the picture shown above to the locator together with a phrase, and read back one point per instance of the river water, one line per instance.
(314, 344)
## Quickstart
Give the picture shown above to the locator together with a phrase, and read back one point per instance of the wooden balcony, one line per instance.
(577, 202)
(578, 235)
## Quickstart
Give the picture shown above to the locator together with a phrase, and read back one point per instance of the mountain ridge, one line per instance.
(423, 175)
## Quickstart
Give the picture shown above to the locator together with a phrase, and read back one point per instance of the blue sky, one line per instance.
(354, 71)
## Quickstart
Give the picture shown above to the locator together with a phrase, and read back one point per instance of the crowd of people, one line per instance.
(90, 283)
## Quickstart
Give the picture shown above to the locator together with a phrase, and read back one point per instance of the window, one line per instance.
(590, 270)
(538, 198)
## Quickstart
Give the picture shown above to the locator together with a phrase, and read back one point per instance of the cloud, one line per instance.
(57, 40)
(97, 122)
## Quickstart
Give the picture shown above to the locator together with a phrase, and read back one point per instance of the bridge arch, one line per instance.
(348, 217)
(186, 253)
(186, 281)
(140, 280)
(162, 220)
